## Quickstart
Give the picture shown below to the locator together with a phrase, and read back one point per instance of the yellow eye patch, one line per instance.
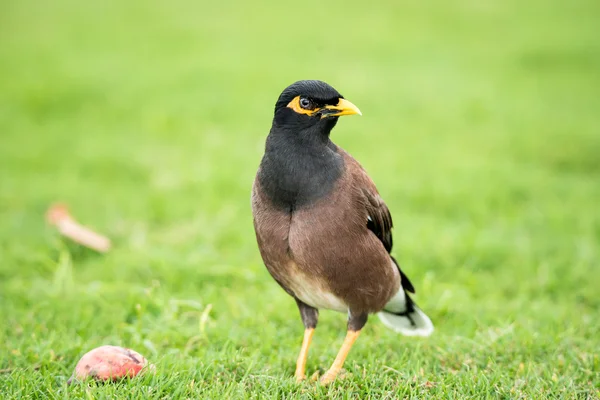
(295, 105)
(343, 107)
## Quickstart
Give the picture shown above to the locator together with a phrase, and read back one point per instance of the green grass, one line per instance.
(481, 128)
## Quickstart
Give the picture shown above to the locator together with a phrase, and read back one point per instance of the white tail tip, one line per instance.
(420, 325)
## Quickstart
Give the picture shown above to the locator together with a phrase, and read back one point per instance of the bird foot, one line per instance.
(331, 376)
(327, 378)
(300, 377)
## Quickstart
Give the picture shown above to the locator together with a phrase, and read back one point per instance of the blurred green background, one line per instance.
(481, 128)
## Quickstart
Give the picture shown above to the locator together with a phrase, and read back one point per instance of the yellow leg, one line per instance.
(337, 365)
(303, 356)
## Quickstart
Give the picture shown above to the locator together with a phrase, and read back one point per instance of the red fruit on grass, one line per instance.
(106, 363)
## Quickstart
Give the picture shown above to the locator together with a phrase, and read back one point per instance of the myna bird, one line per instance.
(323, 231)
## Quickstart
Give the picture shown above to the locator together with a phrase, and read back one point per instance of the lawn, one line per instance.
(481, 128)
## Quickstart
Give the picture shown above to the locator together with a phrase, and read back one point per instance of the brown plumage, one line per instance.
(329, 244)
(323, 230)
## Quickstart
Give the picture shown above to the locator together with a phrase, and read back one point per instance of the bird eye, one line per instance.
(306, 103)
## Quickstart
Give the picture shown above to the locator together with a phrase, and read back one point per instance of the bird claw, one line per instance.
(300, 377)
(331, 376)
(327, 379)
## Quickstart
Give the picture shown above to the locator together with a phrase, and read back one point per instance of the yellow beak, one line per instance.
(343, 107)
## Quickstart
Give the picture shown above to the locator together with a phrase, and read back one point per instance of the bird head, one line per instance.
(311, 106)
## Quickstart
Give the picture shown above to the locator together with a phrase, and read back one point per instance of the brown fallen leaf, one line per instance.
(58, 215)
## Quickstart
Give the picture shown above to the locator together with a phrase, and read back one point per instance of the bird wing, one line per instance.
(379, 219)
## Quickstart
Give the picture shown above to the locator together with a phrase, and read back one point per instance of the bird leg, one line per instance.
(355, 324)
(310, 317)
(303, 356)
(337, 365)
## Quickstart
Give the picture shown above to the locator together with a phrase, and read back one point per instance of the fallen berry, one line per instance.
(106, 363)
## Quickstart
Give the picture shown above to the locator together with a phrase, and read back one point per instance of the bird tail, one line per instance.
(402, 315)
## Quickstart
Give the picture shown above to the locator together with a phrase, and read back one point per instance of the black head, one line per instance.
(312, 107)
